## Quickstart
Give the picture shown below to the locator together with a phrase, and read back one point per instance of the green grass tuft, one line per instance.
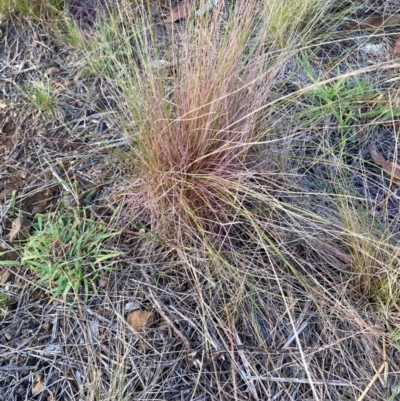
(34, 9)
(67, 253)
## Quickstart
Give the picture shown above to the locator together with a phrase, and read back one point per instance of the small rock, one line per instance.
(52, 348)
(8, 335)
(373, 48)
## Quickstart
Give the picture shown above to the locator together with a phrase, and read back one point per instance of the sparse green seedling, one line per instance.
(286, 19)
(35, 9)
(109, 52)
(67, 252)
(347, 99)
(67, 31)
(41, 94)
(395, 338)
(395, 393)
(4, 300)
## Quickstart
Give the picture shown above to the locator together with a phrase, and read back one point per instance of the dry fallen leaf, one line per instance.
(15, 229)
(139, 319)
(19, 229)
(5, 276)
(52, 71)
(391, 168)
(396, 47)
(374, 22)
(3, 105)
(103, 282)
(182, 10)
(39, 387)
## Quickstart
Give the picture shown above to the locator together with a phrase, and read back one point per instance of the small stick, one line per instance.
(300, 380)
(391, 168)
(373, 380)
(22, 71)
(161, 311)
(386, 370)
(17, 368)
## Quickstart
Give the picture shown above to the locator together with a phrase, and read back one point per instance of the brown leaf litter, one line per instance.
(396, 47)
(374, 22)
(19, 229)
(182, 10)
(389, 167)
(141, 319)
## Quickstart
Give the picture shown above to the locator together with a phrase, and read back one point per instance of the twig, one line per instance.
(293, 337)
(373, 380)
(300, 380)
(386, 371)
(160, 309)
(35, 67)
(17, 368)
(250, 385)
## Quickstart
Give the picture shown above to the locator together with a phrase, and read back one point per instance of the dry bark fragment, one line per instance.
(374, 22)
(391, 168)
(396, 47)
(182, 10)
(6, 276)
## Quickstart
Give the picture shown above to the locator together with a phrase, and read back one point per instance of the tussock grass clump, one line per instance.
(196, 125)
(196, 98)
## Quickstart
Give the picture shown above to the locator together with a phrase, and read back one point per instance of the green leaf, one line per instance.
(9, 263)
